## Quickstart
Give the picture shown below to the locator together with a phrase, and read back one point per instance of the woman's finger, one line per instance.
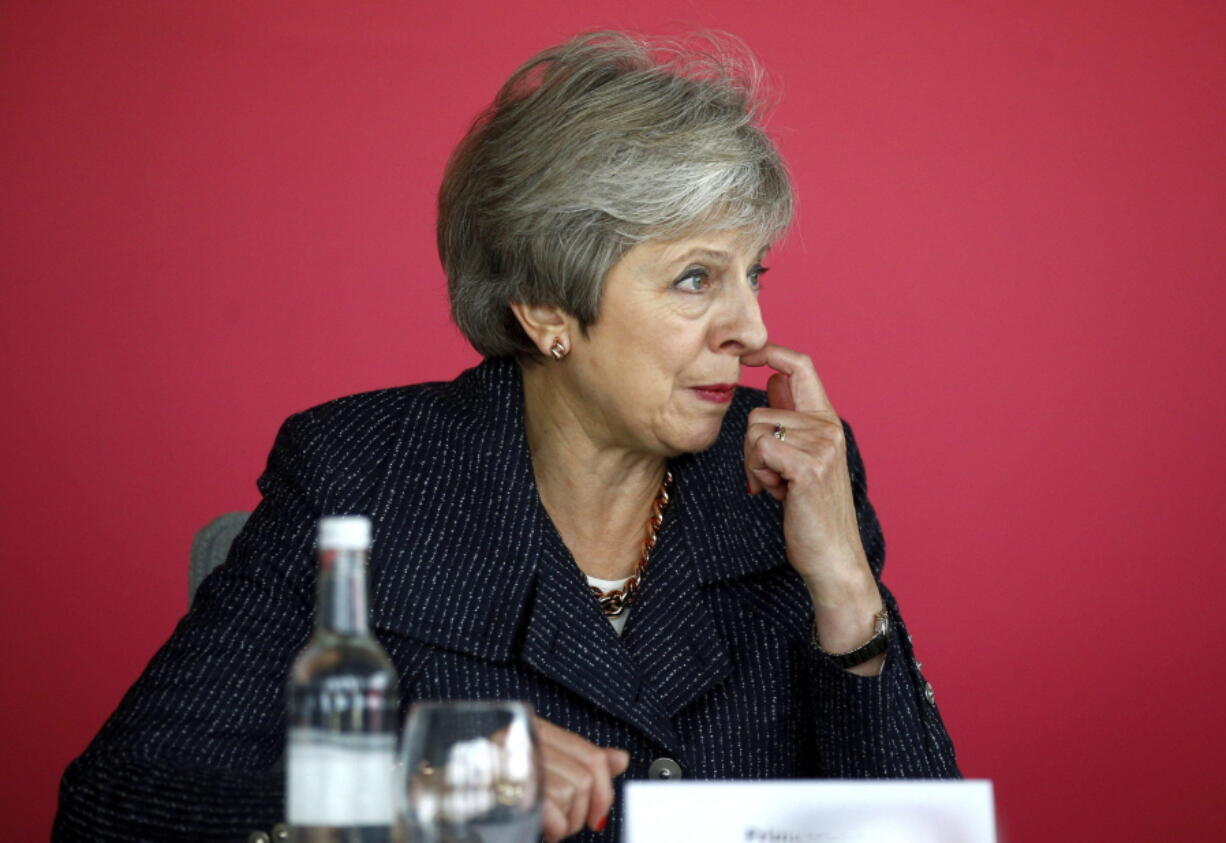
(796, 428)
(763, 475)
(770, 482)
(806, 391)
(618, 760)
(553, 822)
(778, 394)
(568, 786)
(806, 454)
(758, 475)
(587, 769)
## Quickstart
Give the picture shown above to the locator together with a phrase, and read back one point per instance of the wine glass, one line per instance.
(472, 773)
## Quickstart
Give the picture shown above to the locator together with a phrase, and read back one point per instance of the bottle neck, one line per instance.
(340, 607)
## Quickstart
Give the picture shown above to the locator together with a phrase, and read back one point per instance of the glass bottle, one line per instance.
(343, 709)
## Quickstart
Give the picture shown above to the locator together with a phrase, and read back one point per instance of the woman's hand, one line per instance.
(806, 469)
(578, 781)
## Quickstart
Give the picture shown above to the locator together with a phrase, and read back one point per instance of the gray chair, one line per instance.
(210, 547)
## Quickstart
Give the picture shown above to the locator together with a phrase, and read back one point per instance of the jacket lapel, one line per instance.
(671, 632)
(569, 641)
(711, 533)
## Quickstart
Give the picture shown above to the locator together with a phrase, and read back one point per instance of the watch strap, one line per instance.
(873, 647)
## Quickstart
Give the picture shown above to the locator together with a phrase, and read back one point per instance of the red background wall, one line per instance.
(1008, 266)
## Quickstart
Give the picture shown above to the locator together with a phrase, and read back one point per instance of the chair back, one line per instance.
(210, 548)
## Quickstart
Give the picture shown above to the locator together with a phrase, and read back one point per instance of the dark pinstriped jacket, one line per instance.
(474, 595)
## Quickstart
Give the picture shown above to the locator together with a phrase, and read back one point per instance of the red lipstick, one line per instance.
(717, 393)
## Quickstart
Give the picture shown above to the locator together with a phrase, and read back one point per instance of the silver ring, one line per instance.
(780, 432)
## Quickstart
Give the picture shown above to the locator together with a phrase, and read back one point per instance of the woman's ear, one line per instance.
(546, 325)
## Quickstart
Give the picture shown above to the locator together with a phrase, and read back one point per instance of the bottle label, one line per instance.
(340, 780)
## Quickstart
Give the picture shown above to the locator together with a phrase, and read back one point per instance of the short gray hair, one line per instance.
(591, 147)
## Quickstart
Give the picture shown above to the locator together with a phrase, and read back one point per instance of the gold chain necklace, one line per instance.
(617, 600)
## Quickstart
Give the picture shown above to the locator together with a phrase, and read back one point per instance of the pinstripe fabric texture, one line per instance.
(474, 595)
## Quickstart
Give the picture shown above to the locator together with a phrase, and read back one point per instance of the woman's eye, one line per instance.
(755, 275)
(693, 281)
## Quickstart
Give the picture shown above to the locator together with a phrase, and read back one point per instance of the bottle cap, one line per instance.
(344, 532)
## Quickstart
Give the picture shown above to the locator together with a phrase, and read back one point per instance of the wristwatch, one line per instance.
(871, 648)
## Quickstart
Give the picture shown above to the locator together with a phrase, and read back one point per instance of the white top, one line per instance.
(607, 585)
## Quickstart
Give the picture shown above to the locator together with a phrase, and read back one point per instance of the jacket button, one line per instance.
(664, 769)
(280, 833)
(257, 837)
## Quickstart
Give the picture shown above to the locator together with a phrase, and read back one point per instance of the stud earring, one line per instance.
(558, 350)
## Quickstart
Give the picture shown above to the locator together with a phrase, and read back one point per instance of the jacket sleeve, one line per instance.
(194, 749)
(884, 726)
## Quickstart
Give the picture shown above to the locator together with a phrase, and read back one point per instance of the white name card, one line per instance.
(810, 812)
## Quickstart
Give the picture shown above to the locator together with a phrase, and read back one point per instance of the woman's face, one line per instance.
(656, 372)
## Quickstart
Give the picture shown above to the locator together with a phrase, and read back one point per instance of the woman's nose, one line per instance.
(742, 330)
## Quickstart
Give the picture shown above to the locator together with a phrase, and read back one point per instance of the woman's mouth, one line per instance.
(717, 393)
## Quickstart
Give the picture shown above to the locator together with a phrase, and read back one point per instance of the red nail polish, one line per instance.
(603, 822)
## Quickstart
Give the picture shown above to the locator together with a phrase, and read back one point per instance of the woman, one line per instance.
(602, 227)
